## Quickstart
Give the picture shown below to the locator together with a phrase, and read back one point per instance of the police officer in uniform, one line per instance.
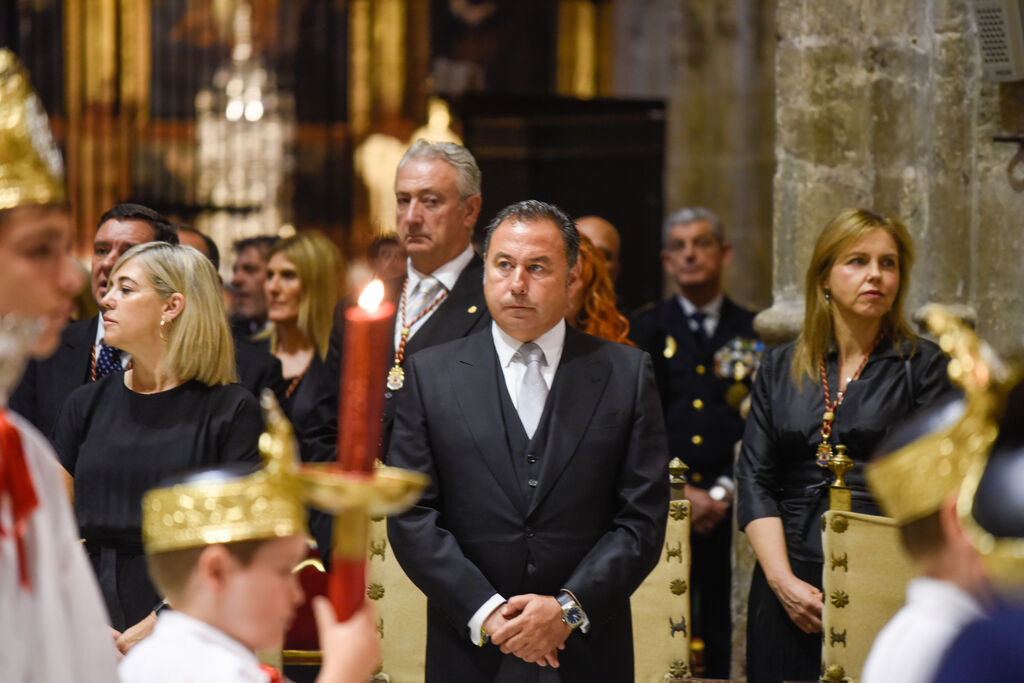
(704, 349)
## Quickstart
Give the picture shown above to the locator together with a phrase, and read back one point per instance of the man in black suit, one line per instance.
(549, 487)
(696, 338)
(440, 297)
(82, 356)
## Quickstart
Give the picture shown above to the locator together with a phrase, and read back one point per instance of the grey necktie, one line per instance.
(533, 391)
(424, 295)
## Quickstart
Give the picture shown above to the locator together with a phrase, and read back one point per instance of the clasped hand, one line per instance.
(529, 627)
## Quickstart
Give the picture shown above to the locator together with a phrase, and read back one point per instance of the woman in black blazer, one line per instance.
(855, 369)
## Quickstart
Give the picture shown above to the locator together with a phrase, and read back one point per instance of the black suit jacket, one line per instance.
(693, 396)
(462, 313)
(595, 523)
(47, 383)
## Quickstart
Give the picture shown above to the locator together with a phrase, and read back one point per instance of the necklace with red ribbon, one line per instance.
(16, 485)
(824, 453)
(396, 375)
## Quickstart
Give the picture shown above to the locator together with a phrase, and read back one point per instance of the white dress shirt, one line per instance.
(447, 274)
(910, 647)
(712, 311)
(182, 648)
(551, 343)
(58, 630)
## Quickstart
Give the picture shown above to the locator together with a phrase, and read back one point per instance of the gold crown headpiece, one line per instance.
(31, 169)
(913, 481)
(270, 502)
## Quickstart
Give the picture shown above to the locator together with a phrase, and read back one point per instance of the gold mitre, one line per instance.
(913, 481)
(31, 170)
(209, 508)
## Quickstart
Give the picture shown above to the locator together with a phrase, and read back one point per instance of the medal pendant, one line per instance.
(396, 378)
(824, 453)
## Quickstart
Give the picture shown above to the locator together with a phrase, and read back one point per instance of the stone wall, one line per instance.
(713, 62)
(882, 105)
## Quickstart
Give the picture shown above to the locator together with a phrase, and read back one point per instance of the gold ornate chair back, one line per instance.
(401, 612)
(864, 579)
(661, 605)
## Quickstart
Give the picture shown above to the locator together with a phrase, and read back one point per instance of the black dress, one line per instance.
(777, 475)
(117, 444)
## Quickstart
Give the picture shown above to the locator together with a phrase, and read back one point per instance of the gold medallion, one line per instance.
(396, 378)
(824, 453)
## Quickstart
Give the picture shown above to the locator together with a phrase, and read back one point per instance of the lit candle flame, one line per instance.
(372, 296)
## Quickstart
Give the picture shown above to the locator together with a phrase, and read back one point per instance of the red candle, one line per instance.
(368, 328)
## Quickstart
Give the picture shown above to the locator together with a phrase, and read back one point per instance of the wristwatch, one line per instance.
(718, 492)
(572, 613)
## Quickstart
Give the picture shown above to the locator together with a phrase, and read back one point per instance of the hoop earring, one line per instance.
(162, 323)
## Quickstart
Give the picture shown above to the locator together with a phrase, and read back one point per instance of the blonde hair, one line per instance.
(840, 234)
(320, 267)
(199, 342)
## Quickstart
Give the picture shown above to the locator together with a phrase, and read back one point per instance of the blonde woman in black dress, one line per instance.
(855, 370)
(175, 409)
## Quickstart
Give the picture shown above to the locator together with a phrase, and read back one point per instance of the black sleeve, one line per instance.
(928, 369)
(239, 441)
(756, 479)
(70, 428)
(318, 439)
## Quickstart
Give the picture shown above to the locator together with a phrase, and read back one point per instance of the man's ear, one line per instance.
(727, 254)
(472, 204)
(949, 521)
(173, 306)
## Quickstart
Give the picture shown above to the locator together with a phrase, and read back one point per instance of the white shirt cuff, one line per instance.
(480, 616)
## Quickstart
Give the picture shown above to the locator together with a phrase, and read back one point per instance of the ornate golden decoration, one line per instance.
(375, 591)
(839, 562)
(270, 502)
(839, 599)
(377, 549)
(840, 523)
(676, 552)
(839, 493)
(380, 627)
(310, 562)
(677, 586)
(31, 168)
(912, 482)
(833, 673)
(678, 510)
(677, 626)
(677, 669)
(834, 637)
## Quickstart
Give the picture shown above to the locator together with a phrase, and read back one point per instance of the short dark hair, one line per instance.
(532, 210)
(163, 229)
(380, 241)
(212, 252)
(264, 243)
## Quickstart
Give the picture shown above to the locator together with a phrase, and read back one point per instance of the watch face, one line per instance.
(573, 617)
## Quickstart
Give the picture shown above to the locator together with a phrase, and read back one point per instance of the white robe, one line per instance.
(910, 647)
(58, 631)
(185, 650)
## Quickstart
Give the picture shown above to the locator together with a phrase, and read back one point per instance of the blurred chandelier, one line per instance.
(245, 130)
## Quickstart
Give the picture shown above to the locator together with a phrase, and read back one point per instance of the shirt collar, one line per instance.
(447, 274)
(551, 343)
(99, 330)
(181, 626)
(712, 308)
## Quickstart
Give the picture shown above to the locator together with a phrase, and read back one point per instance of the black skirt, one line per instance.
(777, 650)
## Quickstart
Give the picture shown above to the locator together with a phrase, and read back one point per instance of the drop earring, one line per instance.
(828, 295)
(162, 323)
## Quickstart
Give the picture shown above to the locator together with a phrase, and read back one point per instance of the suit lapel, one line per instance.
(457, 314)
(73, 362)
(675, 323)
(475, 381)
(578, 386)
